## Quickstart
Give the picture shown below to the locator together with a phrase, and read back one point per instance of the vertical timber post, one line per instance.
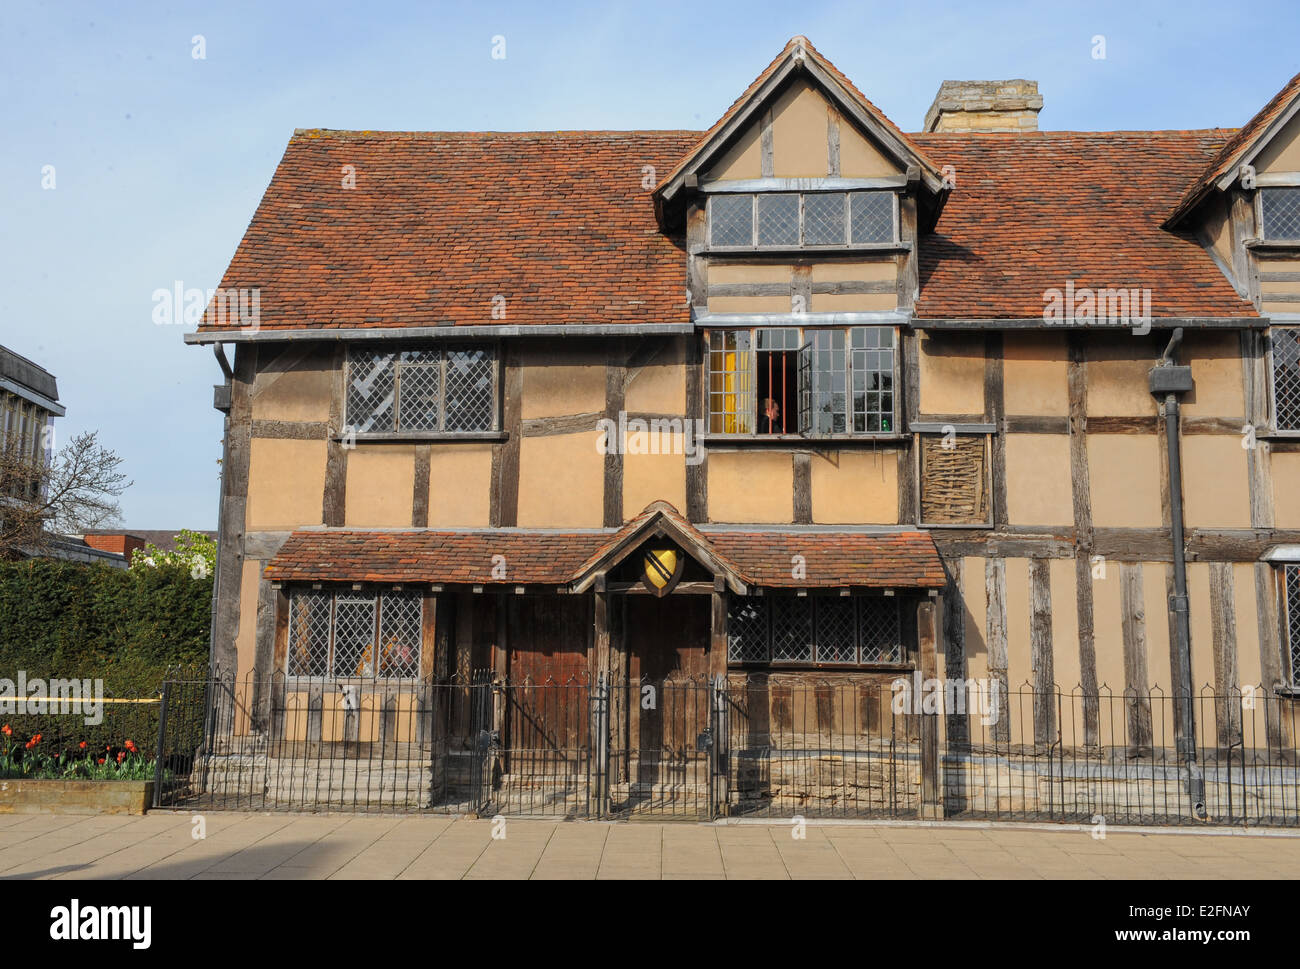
(928, 640)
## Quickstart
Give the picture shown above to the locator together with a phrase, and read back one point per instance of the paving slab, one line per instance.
(250, 845)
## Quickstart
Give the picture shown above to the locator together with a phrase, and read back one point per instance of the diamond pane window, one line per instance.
(355, 634)
(879, 630)
(823, 220)
(400, 617)
(747, 630)
(792, 633)
(778, 220)
(731, 220)
(1280, 208)
(309, 634)
(1286, 377)
(449, 390)
(372, 379)
(419, 392)
(470, 390)
(871, 217)
(1291, 574)
(836, 636)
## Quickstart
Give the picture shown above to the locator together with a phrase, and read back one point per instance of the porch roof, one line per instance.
(760, 557)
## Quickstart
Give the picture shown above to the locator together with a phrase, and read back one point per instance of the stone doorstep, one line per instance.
(28, 796)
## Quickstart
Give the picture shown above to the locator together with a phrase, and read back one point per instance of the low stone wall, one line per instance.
(25, 796)
(333, 780)
(1120, 791)
(814, 781)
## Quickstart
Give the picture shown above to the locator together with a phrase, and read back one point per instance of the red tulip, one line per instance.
(101, 760)
(83, 745)
(6, 730)
(121, 754)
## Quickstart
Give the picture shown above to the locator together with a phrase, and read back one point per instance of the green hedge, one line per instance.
(127, 627)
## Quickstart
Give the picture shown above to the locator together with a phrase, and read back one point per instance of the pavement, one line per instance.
(240, 846)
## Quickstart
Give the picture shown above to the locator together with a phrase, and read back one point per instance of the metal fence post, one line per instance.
(720, 754)
(158, 755)
(599, 794)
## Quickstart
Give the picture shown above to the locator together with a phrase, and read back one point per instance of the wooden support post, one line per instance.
(1041, 655)
(718, 629)
(927, 629)
(603, 657)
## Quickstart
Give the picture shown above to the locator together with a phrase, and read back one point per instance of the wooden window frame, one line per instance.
(377, 593)
(849, 434)
(845, 246)
(1259, 214)
(492, 432)
(856, 666)
(1275, 429)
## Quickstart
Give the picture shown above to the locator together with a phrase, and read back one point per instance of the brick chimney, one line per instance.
(966, 106)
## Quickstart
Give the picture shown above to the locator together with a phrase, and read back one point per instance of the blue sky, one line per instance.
(160, 159)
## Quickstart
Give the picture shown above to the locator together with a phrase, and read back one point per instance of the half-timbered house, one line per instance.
(801, 404)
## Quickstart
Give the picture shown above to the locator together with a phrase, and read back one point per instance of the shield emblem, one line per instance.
(661, 568)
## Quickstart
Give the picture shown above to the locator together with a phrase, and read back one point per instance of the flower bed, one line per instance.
(36, 779)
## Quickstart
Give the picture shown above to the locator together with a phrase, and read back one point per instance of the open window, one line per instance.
(788, 381)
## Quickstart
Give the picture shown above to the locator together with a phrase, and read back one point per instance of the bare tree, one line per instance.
(75, 491)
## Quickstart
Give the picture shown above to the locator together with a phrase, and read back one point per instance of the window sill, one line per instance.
(799, 440)
(364, 684)
(778, 666)
(1269, 435)
(898, 246)
(1272, 244)
(407, 437)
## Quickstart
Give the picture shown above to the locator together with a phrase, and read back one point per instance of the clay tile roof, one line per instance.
(1031, 211)
(440, 223)
(539, 557)
(535, 557)
(1236, 146)
(867, 560)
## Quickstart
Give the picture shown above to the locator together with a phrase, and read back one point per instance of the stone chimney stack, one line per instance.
(976, 106)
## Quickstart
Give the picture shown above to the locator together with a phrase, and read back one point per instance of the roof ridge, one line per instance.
(553, 133)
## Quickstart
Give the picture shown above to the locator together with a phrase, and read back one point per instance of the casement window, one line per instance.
(354, 634)
(1286, 377)
(798, 220)
(810, 382)
(823, 630)
(1279, 214)
(444, 389)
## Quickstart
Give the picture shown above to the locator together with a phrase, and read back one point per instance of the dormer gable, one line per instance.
(801, 125)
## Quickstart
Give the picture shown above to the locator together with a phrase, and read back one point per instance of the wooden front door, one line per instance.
(667, 644)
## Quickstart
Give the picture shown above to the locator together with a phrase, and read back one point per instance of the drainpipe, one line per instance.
(1171, 380)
